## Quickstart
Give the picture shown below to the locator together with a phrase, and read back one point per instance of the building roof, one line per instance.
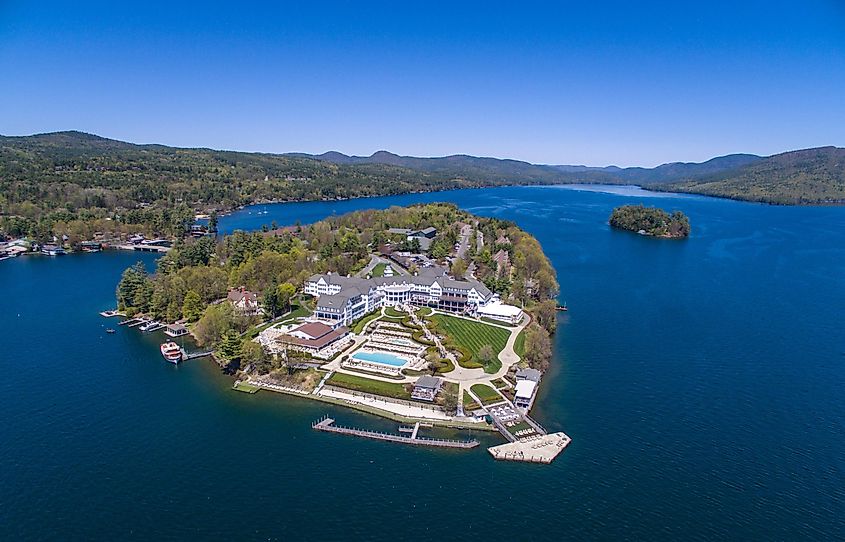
(236, 295)
(318, 343)
(428, 382)
(525, 389)
(315, 330)
(176, 327)
(528, 374)
(336, 301)
(500, 309)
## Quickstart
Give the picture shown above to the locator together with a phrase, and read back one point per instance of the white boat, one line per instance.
(171, 351)
(150, 325)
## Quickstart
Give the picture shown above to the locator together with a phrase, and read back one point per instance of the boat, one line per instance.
(171, 352)
(109, 330)
(149, 325)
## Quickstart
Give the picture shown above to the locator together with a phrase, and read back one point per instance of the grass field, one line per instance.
(243, 386)
(359, 325)
(378, 270)
(393, 313)
(519, 345)
(367, 385)
(473, 335)
(469, 402)
(487, 394)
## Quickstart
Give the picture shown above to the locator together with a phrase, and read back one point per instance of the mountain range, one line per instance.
(84, 169)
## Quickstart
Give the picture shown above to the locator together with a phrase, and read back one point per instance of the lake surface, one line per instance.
(702, 382)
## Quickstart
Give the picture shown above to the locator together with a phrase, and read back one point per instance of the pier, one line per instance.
(327, 424)
(193, 355)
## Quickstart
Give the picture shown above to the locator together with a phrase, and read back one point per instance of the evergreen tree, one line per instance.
(192, 307)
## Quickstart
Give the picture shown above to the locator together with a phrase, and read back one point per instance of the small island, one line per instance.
(651, 221)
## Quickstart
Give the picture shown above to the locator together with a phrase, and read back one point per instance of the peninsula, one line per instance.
(423, 314)
(650, 221)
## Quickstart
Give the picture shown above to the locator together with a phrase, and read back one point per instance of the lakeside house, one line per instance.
(527, 381)
(244, 301)
(426, 388)
(345, 299)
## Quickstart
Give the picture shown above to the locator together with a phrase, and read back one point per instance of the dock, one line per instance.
(533, 449)
(193, 355)
(327, 424)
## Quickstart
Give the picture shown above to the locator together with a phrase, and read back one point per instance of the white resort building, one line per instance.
(345, 299)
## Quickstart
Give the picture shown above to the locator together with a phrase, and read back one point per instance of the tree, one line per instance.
(450, 401)
(538, 347)
(253, 353)
(230, 346)
(486, 355)
(134, 289)
(192, 307)
(546, 314)
(270, 301)
(284, 294)
(215, 322)
(212, 222)
(459, 268)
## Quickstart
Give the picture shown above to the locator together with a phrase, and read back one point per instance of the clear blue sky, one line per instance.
(627, 83)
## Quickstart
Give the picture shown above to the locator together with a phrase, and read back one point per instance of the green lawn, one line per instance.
(519, 345)
(243, 386)
(423, 311)
(469, 402)
(393, 313)
(368, 385)
(378, 270)
(497, 322)
(358, 327)
(487, 394)
(473, 335)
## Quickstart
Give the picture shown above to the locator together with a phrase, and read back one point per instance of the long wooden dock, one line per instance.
(327, 424)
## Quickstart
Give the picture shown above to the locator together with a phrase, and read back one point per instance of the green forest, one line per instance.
(650, 221)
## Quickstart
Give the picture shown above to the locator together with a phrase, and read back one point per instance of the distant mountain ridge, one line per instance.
(87, 166)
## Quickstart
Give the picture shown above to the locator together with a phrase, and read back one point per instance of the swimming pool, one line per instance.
(380, 357)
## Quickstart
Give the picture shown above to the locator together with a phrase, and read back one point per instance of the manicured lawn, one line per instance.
(367, 385)
(519, 345)
(497, 322)
(500, 383)
(378, 270)
(359, 326)
(473, 335)
(487, 394)
(469, 402)
(243, 386)
(423, 311)
(393, 313)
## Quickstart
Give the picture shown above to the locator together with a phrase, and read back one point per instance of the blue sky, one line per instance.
(598, 83)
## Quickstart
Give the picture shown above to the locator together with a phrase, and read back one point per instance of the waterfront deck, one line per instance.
(535, 449)
(327, 424)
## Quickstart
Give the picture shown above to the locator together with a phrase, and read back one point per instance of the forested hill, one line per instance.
(70, 176)
(71, 171)
(811, 176)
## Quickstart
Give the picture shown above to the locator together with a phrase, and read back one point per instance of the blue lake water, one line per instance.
(701, 381)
